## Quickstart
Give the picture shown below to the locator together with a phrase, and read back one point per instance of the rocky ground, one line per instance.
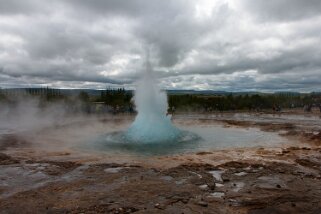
(252, 180)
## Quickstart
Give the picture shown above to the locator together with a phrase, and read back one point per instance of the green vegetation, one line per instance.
(120, 100)
(115, 97)
(242, 102)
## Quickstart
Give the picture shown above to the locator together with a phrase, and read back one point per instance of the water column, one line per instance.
(151, 124)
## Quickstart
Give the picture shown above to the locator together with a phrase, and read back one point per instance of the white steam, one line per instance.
(151, 125)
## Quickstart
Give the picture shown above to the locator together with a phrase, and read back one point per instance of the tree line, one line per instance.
(120, 100)
(255, 102)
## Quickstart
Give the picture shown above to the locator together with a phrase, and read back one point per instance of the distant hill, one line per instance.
(209, 92)
(95, 92)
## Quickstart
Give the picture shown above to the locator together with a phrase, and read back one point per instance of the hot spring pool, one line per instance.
(193, 139)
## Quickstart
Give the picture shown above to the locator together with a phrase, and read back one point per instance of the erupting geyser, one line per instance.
(151, 124)
(152, 131)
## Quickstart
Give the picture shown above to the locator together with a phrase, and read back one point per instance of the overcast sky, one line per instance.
(227, 45)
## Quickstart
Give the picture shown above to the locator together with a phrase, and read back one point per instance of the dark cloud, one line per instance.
(283, 10)
(17, 7)
(228, 45)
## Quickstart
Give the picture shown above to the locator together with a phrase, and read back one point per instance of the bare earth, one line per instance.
(242, 180)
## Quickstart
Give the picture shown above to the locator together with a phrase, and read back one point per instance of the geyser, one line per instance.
(151, 124)
(152, 131)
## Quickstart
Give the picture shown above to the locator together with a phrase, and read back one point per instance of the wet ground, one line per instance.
(39, 177)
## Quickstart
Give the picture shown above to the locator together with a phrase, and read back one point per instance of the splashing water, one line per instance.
(152, 131)
(151, 125)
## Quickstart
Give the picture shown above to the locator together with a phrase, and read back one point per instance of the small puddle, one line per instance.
(270, 182)
(237, 186)
(217, 194)
(240, 173)
(217, 174)
(114, 169)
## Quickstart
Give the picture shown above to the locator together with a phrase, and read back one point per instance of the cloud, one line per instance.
(282, 10)
(197, 45)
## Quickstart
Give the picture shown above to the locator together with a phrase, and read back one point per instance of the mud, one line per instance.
(240, 180)
(285, 182)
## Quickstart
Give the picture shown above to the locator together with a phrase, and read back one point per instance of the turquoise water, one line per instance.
(118, 141)
(191, 139)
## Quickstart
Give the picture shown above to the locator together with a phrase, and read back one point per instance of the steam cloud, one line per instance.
(151, 124)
